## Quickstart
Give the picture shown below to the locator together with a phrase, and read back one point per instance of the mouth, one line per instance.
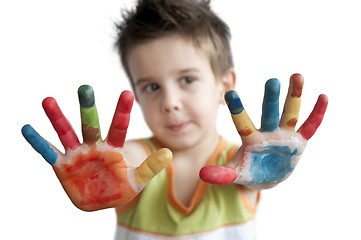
(178, 127)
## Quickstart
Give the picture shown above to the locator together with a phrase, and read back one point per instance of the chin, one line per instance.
(178, 142)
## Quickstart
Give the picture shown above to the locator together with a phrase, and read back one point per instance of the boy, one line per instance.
(177, 57)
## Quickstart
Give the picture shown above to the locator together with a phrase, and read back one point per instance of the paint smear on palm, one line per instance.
(97, 178)
(270, 162)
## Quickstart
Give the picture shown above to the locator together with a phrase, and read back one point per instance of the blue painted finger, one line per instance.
(234, 102)
(39, 144)
(270, 109)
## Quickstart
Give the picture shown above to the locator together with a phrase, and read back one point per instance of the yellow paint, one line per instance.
(291, 110)
(243, 123)
(153, 165)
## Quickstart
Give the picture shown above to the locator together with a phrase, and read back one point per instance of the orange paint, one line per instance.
(98, 178)
(297, 85)
(245, 132)
(292, 122)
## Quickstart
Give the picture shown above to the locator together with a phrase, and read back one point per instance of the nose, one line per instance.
(171, 101)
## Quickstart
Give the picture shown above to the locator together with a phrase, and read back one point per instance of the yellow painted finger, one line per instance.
(153, 165)
(293, 103)
(241, 120)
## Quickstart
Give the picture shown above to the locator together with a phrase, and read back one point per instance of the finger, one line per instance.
(39, 144)
(89, 115)
(314, 120)
(220, 175)
(293, 103)
(270, 109)
(153, 165)
(240, 117)
(119, 126)
(61, 125)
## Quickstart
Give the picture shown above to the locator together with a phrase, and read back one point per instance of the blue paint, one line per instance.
(86, 96)
(39, 144)
(271, 165)
(270, 109)
(234, 103)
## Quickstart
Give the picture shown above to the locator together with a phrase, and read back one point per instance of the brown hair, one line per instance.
(193, 19)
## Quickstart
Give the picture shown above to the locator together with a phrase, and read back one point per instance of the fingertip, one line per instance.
(272, 89)
(126, 99)
(51, 108)
(233, 102)
(86, 96)
(153, 165)
(47, 102)
(297, 77)
(26, 129)
(219, 175)
(322, 103)
(165, 154)
(323, 98)
(160, 159)
(127, 95)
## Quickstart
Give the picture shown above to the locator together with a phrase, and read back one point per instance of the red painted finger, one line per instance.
(314, 120)
(61, 125)
(119, 126)
(219, 175)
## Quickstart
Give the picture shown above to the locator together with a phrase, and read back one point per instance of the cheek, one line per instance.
(150, 115)
(204, 108)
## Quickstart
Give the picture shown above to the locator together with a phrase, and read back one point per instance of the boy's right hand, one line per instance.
(95, 175)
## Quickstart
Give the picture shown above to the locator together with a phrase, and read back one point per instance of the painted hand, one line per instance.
(95, 175)
(269, 155)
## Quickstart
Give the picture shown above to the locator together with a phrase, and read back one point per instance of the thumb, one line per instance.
(219, 175)
(153, 165)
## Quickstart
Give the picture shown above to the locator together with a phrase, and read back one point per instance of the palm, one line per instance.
(269, 155)
(95, 175)
(271, 159)
(97, 178)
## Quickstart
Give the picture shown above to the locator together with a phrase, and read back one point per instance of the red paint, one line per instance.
(219, 175)
(97, 178)
(61, 125)
(245, 132)
(310, 126)
(292, 122)
(119, 126)
(297, 85)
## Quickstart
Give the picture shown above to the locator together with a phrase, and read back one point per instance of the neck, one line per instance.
(200, 152)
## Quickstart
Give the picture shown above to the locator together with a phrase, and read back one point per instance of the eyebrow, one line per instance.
(188, 70)
(180, 72)
(142, 80)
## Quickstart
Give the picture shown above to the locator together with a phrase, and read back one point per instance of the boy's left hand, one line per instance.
(269, 155)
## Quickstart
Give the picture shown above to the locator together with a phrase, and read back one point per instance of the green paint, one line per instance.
(89, 115)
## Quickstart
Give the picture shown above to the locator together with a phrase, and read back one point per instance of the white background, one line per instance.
(50, 48)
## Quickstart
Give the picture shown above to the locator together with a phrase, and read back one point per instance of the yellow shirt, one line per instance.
(215, 212)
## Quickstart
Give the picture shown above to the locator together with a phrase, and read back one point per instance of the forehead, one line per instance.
(166, 54)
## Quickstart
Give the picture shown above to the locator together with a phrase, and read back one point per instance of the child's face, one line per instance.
(177, 91)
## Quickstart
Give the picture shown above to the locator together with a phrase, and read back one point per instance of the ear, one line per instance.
(228, 81)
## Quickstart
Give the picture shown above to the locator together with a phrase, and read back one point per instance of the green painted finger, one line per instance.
(89, 115)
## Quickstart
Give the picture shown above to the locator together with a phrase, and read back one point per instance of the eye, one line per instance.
(187, 80)
(151, 87)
